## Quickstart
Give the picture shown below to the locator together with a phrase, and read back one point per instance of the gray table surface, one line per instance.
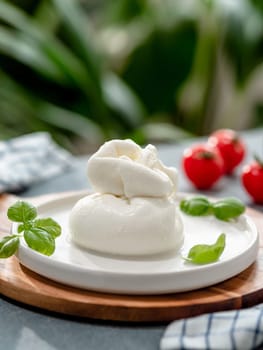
(22, 327)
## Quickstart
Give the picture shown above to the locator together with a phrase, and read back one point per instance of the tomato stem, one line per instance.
(206, 155)
(235, 140)
(258, 160)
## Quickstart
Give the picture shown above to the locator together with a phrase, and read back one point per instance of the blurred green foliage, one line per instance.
(152, 70)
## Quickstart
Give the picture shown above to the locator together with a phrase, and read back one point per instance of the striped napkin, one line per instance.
(227, 330)
(28, 159)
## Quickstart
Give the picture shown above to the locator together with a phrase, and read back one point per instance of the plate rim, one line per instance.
(42, 259)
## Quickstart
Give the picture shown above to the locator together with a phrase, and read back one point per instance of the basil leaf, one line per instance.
(197, 206)
(21, 212)
(21, 228)
(205, 253)
(49, 225)
(8, 246)
(40, 240)
(39, 234)
(228, 208)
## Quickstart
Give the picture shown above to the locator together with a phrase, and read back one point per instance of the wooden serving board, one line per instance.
(25, 286)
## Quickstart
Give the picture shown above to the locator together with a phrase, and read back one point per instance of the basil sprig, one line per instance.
(224, 209)
(228, 208)
(197, 206)
(39, 234)
(207, 253)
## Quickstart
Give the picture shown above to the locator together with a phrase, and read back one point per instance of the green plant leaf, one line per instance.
(40, 241)
(8, 246)
(163, 132)
(228, 208)
(78, 27)
(119, 97)
(13, 15)
(224, 209)
(205, 253)
(44, 52)
(49, 225)
(46, 17)
(71, 121)
(21, 212)
(197, 206)
(39, 234)
(19, 47)
(21, 228)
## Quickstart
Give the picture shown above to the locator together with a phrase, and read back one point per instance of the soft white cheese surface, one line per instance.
(132, 211)
(123, 168)
(138, 226)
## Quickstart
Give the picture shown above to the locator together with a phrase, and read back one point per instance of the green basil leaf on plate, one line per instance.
(207, 253)
(21, 212)
(196, 206)
(8, 246)
(228, 208)
(40, 241)
(49, 225)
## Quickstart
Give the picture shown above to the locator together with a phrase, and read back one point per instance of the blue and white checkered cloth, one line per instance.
(227, 330)
(28, 159)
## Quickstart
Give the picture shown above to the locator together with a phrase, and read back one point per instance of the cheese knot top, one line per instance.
(122, 168)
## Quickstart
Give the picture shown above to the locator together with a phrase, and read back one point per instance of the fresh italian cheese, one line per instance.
(132, 211)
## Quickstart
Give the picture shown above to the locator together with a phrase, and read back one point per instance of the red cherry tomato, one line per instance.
(203, 165)
(252, 179)
(231, 147)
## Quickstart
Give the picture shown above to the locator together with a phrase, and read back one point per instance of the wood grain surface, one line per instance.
(22, 285)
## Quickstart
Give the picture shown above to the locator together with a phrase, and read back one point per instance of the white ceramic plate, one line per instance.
(155, 275)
